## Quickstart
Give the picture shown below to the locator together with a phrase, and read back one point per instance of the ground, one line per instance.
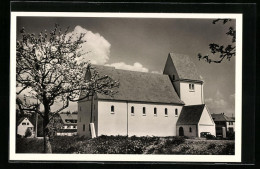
(128, 145)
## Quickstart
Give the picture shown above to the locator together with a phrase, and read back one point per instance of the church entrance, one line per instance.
(181, 131)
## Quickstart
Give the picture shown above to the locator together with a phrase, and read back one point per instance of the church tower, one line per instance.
(185, 78)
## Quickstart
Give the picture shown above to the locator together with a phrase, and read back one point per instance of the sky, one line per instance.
(143, 44)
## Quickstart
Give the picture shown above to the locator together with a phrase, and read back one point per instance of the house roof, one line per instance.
(140, 86)
(21, 119)
(185, 67)
(67, 117)
(190, 114)
(221, 117)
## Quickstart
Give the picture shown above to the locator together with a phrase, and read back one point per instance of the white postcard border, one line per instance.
(13, 156)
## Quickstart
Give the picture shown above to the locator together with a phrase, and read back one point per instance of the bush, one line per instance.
(178, 140)
(229, 149)
(28, 133)
(211, 146)
(231, 135)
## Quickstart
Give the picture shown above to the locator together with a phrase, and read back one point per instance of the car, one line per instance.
(204, 134)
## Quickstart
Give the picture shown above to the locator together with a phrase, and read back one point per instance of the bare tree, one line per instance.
(221, 51)
(47, 66)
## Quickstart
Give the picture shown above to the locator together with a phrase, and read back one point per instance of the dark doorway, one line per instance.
(181, 132)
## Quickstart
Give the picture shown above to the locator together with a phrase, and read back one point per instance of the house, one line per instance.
(23, 125)
(68, 124)
(168, 104)
(223, 124)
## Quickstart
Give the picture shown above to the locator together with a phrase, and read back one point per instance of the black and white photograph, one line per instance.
(129, 86)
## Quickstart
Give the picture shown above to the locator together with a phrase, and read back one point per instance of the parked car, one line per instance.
(204, 134)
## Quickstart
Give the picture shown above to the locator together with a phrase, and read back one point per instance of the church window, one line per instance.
(190, 129)
(176, 112)
(173, 77)
(155, 111)
(132, 110)
(166, 112)
(83, 127)
(144, 112)
(112, 108)
(191, 87)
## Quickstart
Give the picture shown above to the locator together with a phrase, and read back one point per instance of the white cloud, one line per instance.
(157, 72)
(217, 101)
(232, 96)
(135, 67)
(96, 47)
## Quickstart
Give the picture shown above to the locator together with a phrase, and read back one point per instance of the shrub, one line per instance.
(229, 149)
(28, 133)
(231, 135)
(178, 140)
(211, 146)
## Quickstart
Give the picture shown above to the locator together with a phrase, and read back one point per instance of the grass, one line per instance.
(128, 145)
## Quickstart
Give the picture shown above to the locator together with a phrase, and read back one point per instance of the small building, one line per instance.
(223, 121)
(23, 125)
(194, 120)
(68, 125)
(148, 104)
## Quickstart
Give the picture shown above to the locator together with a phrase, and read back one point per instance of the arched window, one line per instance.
(190, 129)
(166, 112)
(132, 109)
(176, 112)
(144, 112)
(155, 111)
(112, 108)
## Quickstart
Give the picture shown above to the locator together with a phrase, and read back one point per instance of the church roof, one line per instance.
(190, 114)
(140, 86)
(221, 117)
(185, 67)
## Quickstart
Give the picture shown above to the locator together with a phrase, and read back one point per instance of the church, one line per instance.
(149, 104)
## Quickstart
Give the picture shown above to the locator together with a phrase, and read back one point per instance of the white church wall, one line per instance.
(140, 124)
(112, 123)
(206, 123)
(191, 97)
(188, 130)
(84, 114)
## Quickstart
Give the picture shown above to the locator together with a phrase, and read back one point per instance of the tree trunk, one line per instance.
(47, 144)
(46, 120)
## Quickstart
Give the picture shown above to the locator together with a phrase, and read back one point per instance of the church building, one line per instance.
(148, 104)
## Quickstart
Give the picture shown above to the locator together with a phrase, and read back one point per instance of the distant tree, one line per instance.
(220, 51)
(47, 66)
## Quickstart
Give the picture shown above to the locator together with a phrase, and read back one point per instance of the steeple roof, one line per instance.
(185, 67)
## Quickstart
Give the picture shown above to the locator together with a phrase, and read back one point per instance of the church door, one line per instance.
(181, 132)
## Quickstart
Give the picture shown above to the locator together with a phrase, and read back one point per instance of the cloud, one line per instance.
(96, 48)
(232, 96)
(135, 67)
(157, 72)
(217, 102)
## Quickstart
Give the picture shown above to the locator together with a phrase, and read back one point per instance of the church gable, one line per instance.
(206, 117)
